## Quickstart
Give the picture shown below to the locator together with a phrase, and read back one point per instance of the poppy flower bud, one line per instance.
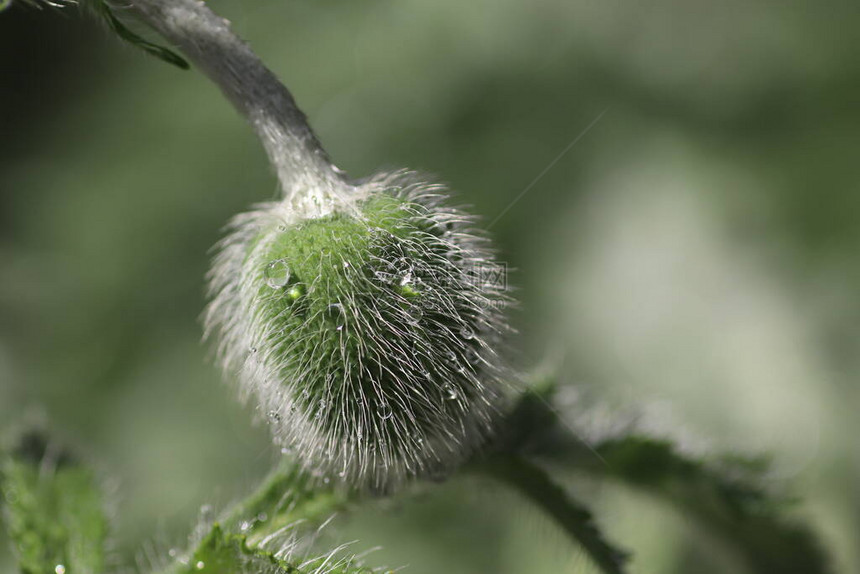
(365, 325)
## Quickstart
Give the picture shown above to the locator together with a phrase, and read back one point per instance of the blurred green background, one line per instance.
(696, 254)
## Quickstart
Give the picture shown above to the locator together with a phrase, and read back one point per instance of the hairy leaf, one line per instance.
(221, 552)
(726, 494)
(287, 497)
(727, 497)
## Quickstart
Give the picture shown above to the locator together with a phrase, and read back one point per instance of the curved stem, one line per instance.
(207, 40)
(535, 484)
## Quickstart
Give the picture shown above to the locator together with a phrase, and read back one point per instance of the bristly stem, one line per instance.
(207, 40)
(577, 521)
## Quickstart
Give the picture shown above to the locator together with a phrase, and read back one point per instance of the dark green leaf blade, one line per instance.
(726, 495)
(221, 552)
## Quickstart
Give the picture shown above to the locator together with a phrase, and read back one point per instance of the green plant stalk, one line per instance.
(208, 42)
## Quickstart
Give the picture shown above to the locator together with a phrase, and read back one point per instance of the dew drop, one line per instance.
(295, 292)
(407, 286)
(59, 569)
(286, 450)
(277, 274)
(384, 411)
(200, 565)
(262, 517)
(274, 416)
(467, 333)
(416, 312)
(245, 526)
(282, 228)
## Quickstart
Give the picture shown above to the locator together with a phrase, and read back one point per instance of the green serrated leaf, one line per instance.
(726, 494)
(728, 498)
(221, 552)
(53, 511)
(286, 497)
(289, 503)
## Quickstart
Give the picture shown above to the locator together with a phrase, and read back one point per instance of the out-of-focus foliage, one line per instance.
(54, 510)
(695, 252)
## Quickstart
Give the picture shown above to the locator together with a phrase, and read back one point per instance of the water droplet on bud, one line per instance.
(277, 274)
(295, 292)
(384, 411)
(407, 285)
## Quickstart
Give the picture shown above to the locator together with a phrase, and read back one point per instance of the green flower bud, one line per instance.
(365, 324)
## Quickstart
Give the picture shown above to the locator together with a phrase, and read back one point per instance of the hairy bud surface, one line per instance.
(366, 328)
